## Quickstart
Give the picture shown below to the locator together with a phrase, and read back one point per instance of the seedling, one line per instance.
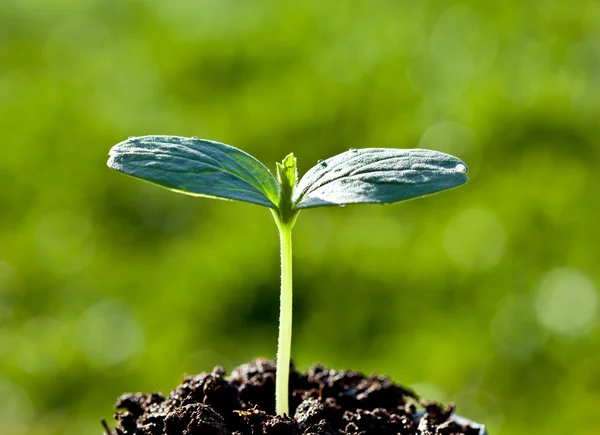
(211, 169)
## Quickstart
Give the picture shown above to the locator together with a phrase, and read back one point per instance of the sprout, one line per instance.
(205, 168)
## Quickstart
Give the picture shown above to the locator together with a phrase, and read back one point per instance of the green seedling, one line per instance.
(211, 169)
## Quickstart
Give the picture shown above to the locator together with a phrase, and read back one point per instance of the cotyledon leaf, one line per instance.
(196, 167)
(378, 175)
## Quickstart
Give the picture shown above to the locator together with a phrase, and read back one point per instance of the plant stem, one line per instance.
(284, 346)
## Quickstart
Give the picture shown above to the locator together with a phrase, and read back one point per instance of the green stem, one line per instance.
(284, 346)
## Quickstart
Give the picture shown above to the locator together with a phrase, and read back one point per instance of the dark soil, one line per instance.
(322, 402)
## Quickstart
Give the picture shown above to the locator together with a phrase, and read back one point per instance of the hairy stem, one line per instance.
(284, 345)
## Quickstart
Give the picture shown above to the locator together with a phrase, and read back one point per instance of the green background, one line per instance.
(486, 295)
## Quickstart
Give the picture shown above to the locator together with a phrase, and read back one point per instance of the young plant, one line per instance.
(211, 169)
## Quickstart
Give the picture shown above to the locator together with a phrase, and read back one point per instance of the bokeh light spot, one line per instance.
(566, 302)
(515, 329)
(108, 334)
(449, 137)
(65, 241)
(475, 239)
(40, 344)
(16, 409)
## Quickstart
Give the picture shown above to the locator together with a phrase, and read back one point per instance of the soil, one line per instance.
(322, 402)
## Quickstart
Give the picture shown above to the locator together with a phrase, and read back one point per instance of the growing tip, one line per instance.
(289, 161)
(287, 173)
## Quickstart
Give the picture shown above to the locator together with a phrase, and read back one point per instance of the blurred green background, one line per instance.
(486, 295)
